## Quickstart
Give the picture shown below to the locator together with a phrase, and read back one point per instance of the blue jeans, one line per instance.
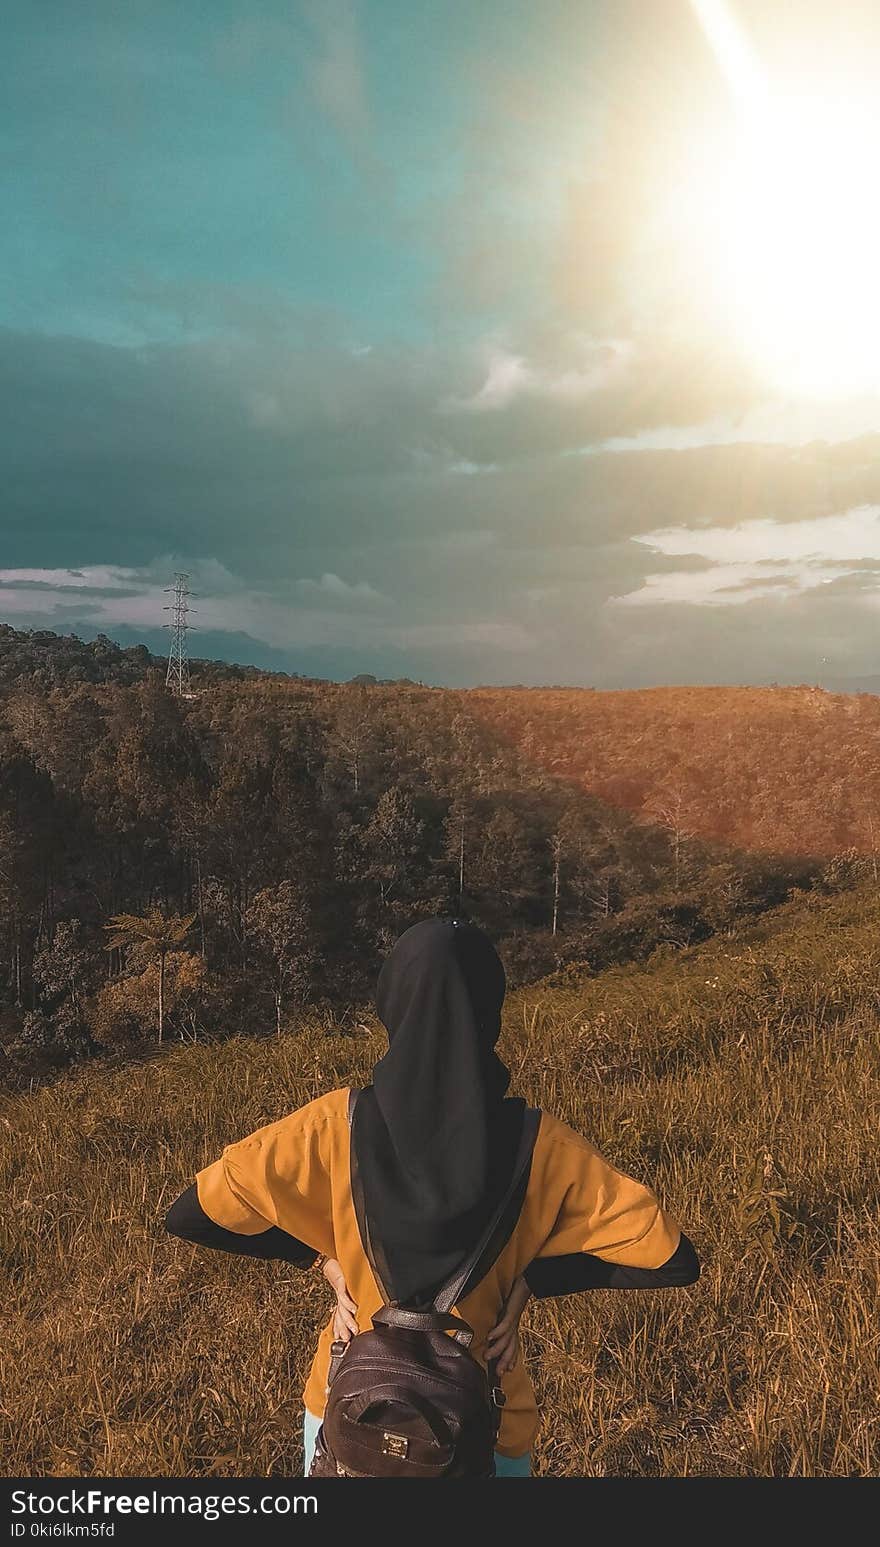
(505, 1466)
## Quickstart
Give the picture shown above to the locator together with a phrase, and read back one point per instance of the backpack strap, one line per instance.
(424, 1321)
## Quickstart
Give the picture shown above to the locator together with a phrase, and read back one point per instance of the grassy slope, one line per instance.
(130, 1353)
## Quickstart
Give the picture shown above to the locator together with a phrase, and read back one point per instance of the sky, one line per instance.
(496, 343)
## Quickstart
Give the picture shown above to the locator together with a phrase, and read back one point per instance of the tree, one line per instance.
(393, 861)
(391, 839)
(62, 969)
(350, 731)
(27, 833)
(468, 755)
(278, 922)
(150, 939)
(456, 829)
(557, 849)
(501, 858)
(124, 1011)
(669, 809)
(722, 895)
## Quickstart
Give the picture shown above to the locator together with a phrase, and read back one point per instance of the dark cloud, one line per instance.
(492, 542)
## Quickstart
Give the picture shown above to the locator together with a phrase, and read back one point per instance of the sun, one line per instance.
(796, 222)
(800, 246)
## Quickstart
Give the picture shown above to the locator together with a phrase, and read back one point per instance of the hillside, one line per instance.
(775, 770)
(793, 770)
(40, 659)
(739, 1077)
(284, 832)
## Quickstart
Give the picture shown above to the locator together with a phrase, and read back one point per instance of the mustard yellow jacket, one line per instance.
(295, 1174)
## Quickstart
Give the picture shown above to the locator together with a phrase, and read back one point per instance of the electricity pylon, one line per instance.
(177, 675)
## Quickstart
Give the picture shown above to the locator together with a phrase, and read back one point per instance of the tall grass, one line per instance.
(740, 1079)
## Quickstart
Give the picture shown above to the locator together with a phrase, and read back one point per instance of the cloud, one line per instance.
(94, 578)
(466, 469)
(847, 534)
(776, 423)
(319, 43)
(510, 376)
(328, 611)
(332, 588)
(497, 636)
(724, 585)
(753, 558)
(336, 71)
(364, 524)
(507, 377)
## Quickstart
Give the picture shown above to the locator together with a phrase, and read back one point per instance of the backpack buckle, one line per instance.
(395, 1445)
(337, 1351)
(498, 1397)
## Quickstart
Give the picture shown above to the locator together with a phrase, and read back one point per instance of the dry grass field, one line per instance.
(739, 1078)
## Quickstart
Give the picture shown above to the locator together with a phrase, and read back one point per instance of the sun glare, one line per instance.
(797, 222)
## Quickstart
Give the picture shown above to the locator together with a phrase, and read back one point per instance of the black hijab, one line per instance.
(434, 1140)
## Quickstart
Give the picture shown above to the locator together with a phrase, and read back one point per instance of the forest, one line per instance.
(789, 770)
(177, 869)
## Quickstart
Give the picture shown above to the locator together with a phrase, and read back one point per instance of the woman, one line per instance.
(421, 1172)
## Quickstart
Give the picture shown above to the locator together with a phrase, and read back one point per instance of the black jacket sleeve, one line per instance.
(578, 1271)
(186, 1218)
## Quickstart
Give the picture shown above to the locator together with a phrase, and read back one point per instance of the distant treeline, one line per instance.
(206, 867)
(791, 770)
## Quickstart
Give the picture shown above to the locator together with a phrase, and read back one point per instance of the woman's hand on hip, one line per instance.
(345, 1324)
(502, 1344)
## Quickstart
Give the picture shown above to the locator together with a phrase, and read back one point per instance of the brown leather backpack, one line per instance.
(406, 1399)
